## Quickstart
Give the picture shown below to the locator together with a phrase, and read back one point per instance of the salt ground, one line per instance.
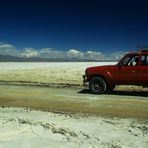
(47, 73)
(28, 128)
(24, 128)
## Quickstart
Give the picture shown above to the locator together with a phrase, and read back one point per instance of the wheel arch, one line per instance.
(97, 75)
(108, 80)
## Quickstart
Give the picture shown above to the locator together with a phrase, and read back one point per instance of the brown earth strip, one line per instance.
(69, 100)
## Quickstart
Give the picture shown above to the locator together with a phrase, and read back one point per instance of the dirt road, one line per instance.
(119, 103)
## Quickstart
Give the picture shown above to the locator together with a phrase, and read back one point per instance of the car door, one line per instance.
(127, 73)
(143, 70)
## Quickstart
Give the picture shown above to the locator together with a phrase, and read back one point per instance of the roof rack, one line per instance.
(143, 48)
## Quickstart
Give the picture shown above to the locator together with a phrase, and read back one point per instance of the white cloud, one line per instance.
(44, 53)
(29, 52)
(117, 55)
(8, 49)
(51, 53)
(95, 55)
(73, 53)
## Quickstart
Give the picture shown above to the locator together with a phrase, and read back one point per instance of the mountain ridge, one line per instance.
(9, 58)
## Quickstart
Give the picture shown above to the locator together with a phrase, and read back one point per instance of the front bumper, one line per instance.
(85, 79)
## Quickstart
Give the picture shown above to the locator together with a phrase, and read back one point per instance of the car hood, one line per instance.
(105, 67)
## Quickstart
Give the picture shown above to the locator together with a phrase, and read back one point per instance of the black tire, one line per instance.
(97, 85)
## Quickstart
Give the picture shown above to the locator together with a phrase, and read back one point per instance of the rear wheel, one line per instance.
(97, 85)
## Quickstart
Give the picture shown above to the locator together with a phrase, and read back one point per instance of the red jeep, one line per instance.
(132, 69)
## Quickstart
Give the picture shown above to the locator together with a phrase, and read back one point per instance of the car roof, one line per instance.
(137, 53)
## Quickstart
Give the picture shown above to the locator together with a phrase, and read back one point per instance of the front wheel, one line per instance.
(97, 85)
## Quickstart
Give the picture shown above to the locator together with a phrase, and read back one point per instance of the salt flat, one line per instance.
(42, 72)
(25, 128)
(72, 126)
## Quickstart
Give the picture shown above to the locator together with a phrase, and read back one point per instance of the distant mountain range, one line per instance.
(9, 58)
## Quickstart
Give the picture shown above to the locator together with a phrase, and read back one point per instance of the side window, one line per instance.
(144, 60)
(131, 61)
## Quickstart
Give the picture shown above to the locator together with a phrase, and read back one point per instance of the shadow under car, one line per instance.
(119, 92)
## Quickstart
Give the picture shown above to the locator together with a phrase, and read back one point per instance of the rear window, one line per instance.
(144, 60)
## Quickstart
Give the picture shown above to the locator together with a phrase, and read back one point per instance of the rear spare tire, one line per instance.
(97, 85)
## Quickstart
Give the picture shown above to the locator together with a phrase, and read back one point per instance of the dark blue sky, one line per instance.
(100, 25)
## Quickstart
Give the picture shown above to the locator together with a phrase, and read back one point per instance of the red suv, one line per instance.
(132, 69)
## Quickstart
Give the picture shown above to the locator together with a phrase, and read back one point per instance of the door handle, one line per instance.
(133, 71)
